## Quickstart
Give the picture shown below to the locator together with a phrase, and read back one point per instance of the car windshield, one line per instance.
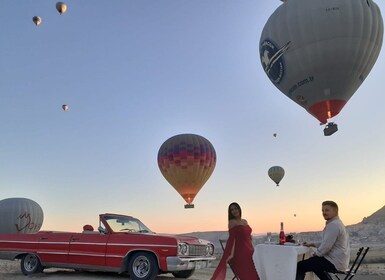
(126, 224)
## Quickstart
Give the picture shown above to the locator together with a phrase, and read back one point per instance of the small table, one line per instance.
(279, 262)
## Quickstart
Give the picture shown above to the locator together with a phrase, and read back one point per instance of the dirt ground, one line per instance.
(10, 270)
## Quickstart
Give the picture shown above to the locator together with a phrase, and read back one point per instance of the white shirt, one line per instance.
(335, 244)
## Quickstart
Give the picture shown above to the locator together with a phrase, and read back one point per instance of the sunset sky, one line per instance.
(136, 72)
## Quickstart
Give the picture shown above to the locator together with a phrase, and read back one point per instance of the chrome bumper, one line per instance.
(183, 263)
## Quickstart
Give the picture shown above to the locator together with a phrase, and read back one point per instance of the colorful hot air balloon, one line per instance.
(319, 52)
(61, 7)
(20, 215)
(65, 107)
(276, 174)
(187, 161)
(36, 20)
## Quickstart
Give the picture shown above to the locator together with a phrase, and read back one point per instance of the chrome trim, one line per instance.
(33, 242)
(52, 253)
(24, 242)
(87, 243)
(185, 263)
(143, 245)
(88, 255)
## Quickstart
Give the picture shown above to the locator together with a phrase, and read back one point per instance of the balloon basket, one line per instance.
(330, 128)
(188, 206)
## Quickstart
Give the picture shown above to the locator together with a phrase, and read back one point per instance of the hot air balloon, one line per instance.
(187, 161)
(36, 20)
(61, 7)
(65, 107)
(276, 174)
(20, 215)
(318, 53)
(275, 134)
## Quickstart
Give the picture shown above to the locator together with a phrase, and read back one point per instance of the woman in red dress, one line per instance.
(239, 249)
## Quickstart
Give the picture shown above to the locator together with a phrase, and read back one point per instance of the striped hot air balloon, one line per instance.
(187, 162)
(276, 174)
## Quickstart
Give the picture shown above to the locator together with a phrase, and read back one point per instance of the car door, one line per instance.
(54, 247)
(88, 250)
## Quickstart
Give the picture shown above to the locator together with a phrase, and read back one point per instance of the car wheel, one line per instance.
(30, 264)
(143, 266)
(183, 273)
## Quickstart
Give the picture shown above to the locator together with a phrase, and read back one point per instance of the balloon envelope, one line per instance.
(36, 20)
(276, 174)
(187, 161)
(61, 7)
(318, 53)
(20, 215)
(65, 107)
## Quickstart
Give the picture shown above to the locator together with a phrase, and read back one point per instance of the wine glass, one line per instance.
(298, 238)
(269, 237)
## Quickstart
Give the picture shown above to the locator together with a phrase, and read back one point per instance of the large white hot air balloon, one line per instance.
(318, 53)
(20, 215)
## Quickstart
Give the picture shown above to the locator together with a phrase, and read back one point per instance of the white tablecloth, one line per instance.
(278, 262)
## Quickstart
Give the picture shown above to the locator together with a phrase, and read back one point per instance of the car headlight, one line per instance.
(210, 249)
(182, 249)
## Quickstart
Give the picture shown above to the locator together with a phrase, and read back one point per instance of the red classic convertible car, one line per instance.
(122, 244)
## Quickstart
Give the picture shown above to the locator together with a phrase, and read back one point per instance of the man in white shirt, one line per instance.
(333, 252)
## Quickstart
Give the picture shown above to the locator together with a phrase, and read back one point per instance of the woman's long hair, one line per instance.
(229, 211)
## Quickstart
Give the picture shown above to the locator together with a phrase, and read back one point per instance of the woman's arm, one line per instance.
(231, 252)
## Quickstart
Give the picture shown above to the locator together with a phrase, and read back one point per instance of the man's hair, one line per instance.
(330, 203)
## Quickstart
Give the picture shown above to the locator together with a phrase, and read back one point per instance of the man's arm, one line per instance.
(329, 238)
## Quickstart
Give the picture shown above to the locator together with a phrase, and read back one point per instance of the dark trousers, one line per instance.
(315, 264)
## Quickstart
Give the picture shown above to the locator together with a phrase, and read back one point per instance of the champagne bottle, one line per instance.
(282, 238)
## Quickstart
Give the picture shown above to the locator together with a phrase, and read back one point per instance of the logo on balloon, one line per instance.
(25, 223)
(272, 60)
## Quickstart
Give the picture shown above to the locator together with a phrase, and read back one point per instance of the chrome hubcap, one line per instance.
(141, 266)
(30, 262)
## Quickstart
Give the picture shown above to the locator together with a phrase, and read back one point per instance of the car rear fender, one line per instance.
(14, 255)
(126, 259)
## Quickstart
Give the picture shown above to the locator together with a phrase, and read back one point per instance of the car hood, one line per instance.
(187, 239)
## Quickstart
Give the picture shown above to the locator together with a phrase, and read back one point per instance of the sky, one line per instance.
(136, 72)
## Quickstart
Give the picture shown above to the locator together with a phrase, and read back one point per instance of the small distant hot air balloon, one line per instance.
(318, 53)
(20, 215)
(187, 162)
(61, 7)
(65, 107)
(36, 20)
(276, 174)
(275, 134)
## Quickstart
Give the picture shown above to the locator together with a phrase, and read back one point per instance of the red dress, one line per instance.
(242, 263)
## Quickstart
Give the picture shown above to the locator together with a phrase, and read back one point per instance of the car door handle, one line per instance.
(44, 238)
(74, 239)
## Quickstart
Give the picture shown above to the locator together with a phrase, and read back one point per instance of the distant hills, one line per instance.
(369, 232)
(376, 217)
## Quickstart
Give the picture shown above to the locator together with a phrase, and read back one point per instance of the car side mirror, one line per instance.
(102, 230)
